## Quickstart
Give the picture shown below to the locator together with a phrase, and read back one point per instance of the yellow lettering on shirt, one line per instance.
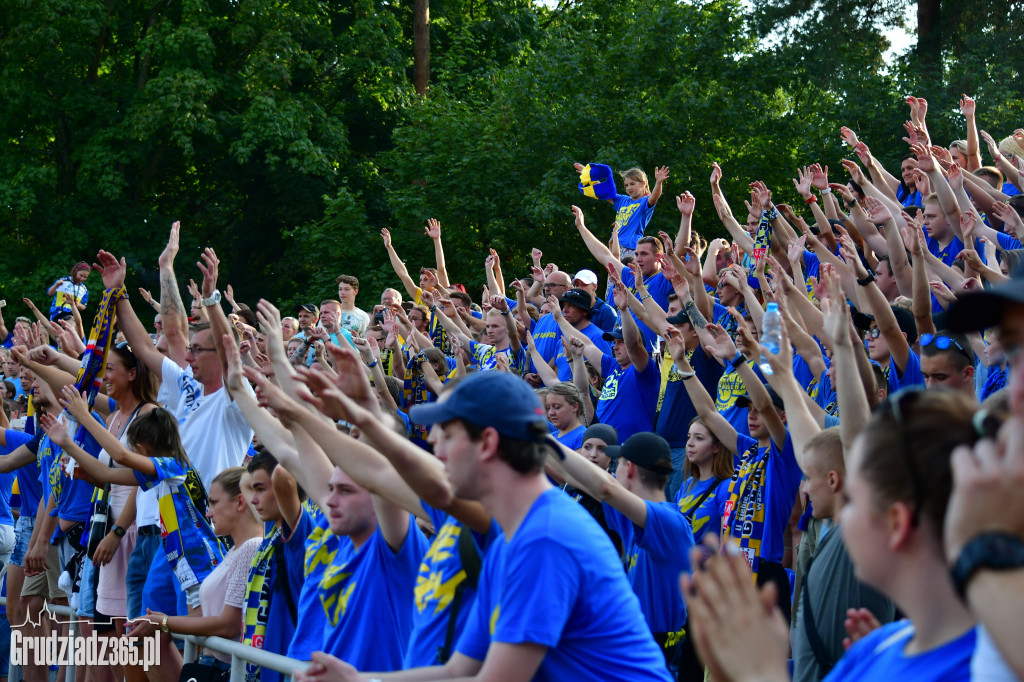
(334, 594)
(494, 618)
(623, 215)
(730, 387)
(430, 585)
(611, 387)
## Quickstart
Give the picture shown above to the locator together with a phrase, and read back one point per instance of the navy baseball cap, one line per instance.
(496, 399)
(645, 449)
(579, 298)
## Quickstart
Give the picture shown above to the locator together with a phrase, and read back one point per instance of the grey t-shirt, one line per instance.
(831, 588)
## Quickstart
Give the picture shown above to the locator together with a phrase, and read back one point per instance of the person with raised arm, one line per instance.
(635, 208)
(656, 537)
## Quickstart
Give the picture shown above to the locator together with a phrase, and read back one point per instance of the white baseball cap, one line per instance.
(585, 276)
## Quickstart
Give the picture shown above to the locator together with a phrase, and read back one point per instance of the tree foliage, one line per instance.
(287, 133)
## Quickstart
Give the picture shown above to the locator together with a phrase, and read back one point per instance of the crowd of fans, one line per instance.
(559, 479)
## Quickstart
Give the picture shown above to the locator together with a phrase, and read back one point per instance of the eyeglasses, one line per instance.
(196, 350)
(549, 287)
(873, 333)
(898, 403)
(943, 342)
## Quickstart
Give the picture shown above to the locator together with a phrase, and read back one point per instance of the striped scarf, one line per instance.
(94, 360)
(743, 518)
(257, 598)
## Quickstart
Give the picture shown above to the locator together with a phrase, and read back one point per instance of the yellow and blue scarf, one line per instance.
(597, 182)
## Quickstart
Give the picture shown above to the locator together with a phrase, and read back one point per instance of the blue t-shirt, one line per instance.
(558, 583)
(6, 484)
(660, 289)
(192, 548)
(706, 516)
(604, 315)
(632, 215)
(824, 393)
(547, 337)
(314, 547)
(730, 387)
(911, 375)
(440, 573)
(781, 483)
(655, 556)
(596, 336)
(29, 487)
(628, 398)
(677, 410)
(574, 439)
(369, 600)
(73, 496)
(879, 656)
(485, 357)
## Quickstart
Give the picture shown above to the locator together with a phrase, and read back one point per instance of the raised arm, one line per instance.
(968, 108)
(801, 424)
(702, 401)
(398, 265)
(93, 468)
(548, 376)
(173, 313)
(599, 484)
(685, 203)
(594, 245)
(433, 230)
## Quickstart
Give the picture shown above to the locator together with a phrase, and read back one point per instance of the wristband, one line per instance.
(811, 200)
(868, 279)
(505, 314)
(737, 361)
(687, 375)
(995, 551)
(371, 365)
(644, 298)
(827, 190)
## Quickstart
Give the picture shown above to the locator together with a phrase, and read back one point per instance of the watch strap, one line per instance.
(996, 551)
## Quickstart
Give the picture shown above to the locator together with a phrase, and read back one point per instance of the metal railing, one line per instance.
(240, 653)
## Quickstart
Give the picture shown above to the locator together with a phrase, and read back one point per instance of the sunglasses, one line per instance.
(943, 342)
(873, 333)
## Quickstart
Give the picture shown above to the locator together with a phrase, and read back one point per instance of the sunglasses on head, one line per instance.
(943, 342)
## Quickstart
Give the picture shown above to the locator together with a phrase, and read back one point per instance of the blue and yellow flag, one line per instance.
(597, 182)
(94, 360)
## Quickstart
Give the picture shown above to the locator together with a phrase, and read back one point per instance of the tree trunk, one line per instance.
(421, 46)
(929, 37)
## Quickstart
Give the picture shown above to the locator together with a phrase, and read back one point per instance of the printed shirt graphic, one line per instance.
(368, 598)
(705, 517)
(192, 547)
(628, 397)
(632, 215)
(485, 357)
(440, 574)
(67, 295)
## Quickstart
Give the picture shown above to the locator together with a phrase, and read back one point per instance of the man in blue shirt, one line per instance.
(603, 315)
(553, 601)
(575, 313)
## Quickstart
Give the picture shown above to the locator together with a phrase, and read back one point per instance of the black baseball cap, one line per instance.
(644, 449)
(579, 298)
(309, 308)
(983, 309)
(679, 318)
(745, 401)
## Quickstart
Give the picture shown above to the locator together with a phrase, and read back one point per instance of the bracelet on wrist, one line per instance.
(373, 364)
(868, 279)
(811, 200)
(738, 360)
(827, 190)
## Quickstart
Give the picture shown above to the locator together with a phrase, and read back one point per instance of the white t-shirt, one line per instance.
(213, 431)
(355, 321)
(227, 585)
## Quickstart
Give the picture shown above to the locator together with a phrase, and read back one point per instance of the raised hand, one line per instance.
(209, 266)
(764, 195)
(577, 213)
(385, 234)
(685, 203)
(842, 190)
(433, 228)
(967, 106)
(171, 250)
(661, 174)
(877, 211)
(499, 303)
(795, 252)
(111, 270)
(993, 148)
(819, 176)
(863, 153)
(716, 174)
(74, 402)
(721, 346)
(55, 429)
(854, 170)
(967, 226)
(849, 137)
(536, 254)
(803, 182)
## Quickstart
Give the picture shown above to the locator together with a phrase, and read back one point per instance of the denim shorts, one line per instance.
(22, 534)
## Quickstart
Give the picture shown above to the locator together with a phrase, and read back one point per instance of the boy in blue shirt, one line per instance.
(656, 537)
(552, 602)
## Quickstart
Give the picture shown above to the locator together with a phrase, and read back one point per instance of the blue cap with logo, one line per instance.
(497, 399)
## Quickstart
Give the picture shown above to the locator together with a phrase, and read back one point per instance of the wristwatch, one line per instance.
(213, 300)
(118, 531)
(868, 279)
(992, 551)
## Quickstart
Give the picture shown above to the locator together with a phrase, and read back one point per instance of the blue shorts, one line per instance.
(139, 563)
(22, 534)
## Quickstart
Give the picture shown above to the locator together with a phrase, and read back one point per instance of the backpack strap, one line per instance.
(707, 493)
(469, 556)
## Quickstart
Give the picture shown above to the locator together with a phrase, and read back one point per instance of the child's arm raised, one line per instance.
(95, 469)
(75, 403)
(660, 175)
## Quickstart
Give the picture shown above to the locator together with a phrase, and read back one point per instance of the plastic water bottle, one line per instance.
(771, 335)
